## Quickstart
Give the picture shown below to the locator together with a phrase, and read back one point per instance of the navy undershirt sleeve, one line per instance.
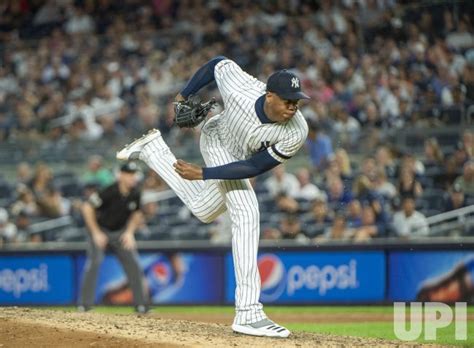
(255, 165)
(202, 77)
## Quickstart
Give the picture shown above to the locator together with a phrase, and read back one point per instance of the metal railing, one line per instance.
(457, 222)
(441, 243)
(48, 225)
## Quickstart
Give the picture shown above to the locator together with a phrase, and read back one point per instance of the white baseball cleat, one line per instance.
(264, 327)
(132, 151)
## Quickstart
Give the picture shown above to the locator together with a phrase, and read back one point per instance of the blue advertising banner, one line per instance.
(441, 276)
(36, 280)
(174, 278)
(307, 277)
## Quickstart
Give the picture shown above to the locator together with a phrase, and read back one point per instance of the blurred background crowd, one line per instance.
(391, 141)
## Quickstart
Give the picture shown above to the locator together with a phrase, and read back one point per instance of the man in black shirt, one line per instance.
(112, 217)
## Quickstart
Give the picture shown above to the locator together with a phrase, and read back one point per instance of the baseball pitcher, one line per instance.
(259, 128)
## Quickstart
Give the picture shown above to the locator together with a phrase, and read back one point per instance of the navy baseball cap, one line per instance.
(286, 85)
(129, 167)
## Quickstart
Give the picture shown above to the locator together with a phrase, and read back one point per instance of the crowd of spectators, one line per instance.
(92, 69)
(89, 70)
(388, 195)
(383, 197)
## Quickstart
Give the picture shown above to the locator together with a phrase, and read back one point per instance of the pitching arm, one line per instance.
(255, 165)
(201, 78)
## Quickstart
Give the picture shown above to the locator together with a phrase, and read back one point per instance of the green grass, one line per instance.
(268, 309)
(230, 309)
(383, 330)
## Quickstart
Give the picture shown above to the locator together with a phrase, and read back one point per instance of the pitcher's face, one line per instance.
(280, 110)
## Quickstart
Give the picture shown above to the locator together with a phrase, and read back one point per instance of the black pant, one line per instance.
(129, 261)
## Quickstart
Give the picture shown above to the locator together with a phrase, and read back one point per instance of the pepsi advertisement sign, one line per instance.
(317, 277)
(171, 278)
(426, 276)
(36, 280)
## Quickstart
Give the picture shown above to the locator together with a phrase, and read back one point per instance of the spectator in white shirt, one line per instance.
(79, 22)
(307, 190)
(282, 182)
(346, 127)
(338, 62)
(82, 111)
(408, 222)
(382, 186)
(461, 38)
(8, 231)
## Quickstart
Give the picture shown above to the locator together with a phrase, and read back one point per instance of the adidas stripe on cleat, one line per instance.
(263, 327)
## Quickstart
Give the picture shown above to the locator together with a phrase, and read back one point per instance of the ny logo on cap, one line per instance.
(295, 83)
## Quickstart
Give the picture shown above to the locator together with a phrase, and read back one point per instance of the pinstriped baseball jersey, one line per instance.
(241, 129)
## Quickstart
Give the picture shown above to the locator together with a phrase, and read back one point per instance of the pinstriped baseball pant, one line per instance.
(207, 200)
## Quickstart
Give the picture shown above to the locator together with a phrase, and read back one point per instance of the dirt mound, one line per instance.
(23, 327)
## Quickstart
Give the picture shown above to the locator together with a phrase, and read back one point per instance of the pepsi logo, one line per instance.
(161, 272)
(273, 277)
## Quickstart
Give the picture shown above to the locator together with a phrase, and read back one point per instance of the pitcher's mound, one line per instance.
(25, 327)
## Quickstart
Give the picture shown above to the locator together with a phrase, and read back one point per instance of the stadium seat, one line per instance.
(433, 199)
(70, 188)
(6, 194)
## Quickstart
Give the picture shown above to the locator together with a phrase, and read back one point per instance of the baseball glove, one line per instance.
(191, 112)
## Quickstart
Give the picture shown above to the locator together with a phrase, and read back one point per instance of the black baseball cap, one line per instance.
(129, 167)
(286, 85)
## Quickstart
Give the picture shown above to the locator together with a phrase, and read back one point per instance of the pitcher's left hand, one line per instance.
(187, 170)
